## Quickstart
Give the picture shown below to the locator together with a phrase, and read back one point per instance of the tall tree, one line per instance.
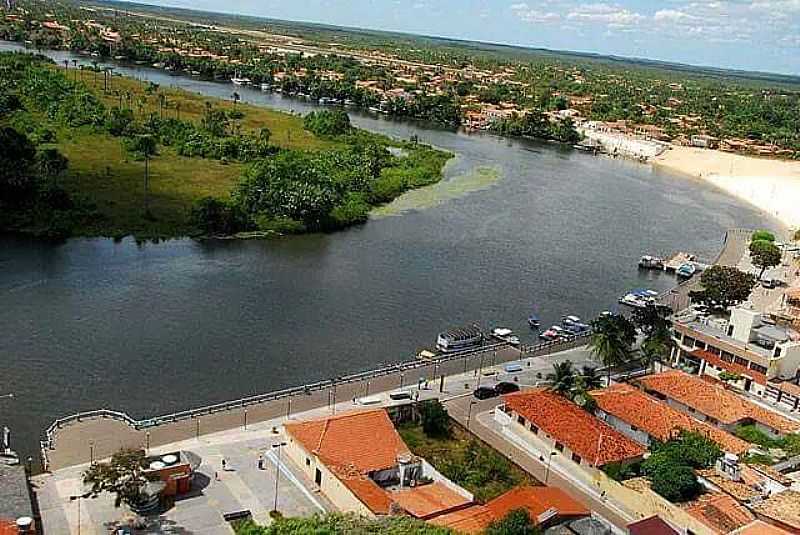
(723, 287)
(764, 254)
(123, 476)
(143, 146)
(612, 341)
(562, 378)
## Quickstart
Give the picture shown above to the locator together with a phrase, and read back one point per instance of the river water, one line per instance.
(515, 226)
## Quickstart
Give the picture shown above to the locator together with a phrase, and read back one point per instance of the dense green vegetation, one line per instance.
(536, 124)
(342, 524)
(670, 467)
(723, 287)
(465, 461)
(137, 133)
(790, 444)
(760, 108)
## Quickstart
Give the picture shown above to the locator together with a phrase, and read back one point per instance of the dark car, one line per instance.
(484, 392)
(505, 387)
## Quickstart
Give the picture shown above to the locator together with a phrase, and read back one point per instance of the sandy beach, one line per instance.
(771, 185)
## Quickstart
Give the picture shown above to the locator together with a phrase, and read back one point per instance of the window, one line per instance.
(534, 429)
(634, 428)
(308, 461)
(741, 362)
(727, 357)
(520, 420)
(689, 341)
(758, 368)
(714, 350)
(560, 447)
(576, 458)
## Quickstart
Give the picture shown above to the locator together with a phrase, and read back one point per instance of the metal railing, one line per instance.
(48, 443)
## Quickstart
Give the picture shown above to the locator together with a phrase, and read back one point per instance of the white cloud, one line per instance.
(532, 15)
(612, 15)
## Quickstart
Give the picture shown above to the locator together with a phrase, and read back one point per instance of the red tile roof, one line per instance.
(592, 439)
(760, 528)
(8, 527)
(537, 500)
(651, 526)
(430, 500)
(658, 419)
(364, 441)
(732, 367)
(720, 512)
(368, 492)
(473, 519)
(714, 400)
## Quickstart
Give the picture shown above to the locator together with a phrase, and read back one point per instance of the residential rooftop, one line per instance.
(720, 512)
(714, 400)
(15, 501)
(783, 508)
(355, 445)
(658, 419)
(587, 436)
(758, 527)
(653, 525)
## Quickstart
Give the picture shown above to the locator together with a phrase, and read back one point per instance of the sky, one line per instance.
(762, 35)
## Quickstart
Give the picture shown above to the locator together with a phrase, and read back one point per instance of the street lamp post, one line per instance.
(79, 498)
(277, 472)
(547, 470)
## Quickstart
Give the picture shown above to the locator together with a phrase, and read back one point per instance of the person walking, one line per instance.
(260, 461)
(224, 465)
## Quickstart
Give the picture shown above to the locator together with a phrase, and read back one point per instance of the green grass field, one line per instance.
(101, 172)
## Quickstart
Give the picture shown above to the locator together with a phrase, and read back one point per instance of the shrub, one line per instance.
(676, 483)
(435, 420)
(762, 235)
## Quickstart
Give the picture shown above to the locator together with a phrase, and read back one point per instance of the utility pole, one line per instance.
(277, 472)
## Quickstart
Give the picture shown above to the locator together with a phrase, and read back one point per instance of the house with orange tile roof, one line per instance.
(361, 464)
(720, 512)
(546, 506)
(645, 419)
(552, 423)
(713, 403)
(757, 527)
(653, 525)
(781, 510)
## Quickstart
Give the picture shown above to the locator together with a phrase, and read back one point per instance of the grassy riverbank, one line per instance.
(104, 178)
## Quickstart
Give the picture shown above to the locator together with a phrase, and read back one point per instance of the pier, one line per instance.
(95, 435)
(734, 246)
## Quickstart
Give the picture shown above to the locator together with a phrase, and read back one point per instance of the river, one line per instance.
(515, 226)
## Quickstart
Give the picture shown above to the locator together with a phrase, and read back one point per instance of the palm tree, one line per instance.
(655, 346)
(612, 340)
(590, 378)
(562, 378)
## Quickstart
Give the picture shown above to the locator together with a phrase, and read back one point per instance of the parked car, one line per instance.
(400, 394)
(485, 392)
(506, 387)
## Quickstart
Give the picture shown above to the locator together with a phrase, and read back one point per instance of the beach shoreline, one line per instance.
(768, 184)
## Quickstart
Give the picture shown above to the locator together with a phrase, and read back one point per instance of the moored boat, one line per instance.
(651, 262)
(460, 339)
(639, 298)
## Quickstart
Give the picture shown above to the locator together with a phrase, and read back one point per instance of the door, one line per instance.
(318, 477)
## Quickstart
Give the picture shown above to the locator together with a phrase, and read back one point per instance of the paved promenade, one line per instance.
(98, 436)
(245, 487)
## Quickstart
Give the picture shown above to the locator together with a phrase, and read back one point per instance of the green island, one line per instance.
(85, 153)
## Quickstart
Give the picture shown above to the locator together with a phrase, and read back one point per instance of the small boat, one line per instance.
(549, 335)
(651, 262)
(265, 87)
(574, 324)
(686, 270)
(459, 339)
(639, 298)
(506, 335)
(240, 81)
(534, 321)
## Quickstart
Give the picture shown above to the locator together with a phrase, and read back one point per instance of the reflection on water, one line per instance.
(515, 226)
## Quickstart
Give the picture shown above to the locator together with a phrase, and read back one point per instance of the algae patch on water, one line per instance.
(478, 179)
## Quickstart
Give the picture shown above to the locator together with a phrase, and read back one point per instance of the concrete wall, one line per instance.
(625, 428)
(333, 489)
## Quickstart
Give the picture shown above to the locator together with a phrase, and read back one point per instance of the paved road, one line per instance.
(459, 409)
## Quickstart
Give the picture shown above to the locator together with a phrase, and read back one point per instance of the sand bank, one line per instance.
(771, 185)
